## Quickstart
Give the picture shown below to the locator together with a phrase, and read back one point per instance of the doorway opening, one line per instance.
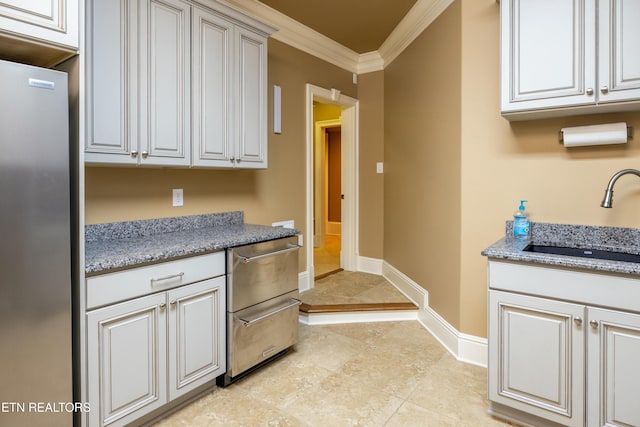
(327, 189)
(317, 221)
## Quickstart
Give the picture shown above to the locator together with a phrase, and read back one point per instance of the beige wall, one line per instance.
(422, 203)
(278, 193)
(488, 164)
(371, 150)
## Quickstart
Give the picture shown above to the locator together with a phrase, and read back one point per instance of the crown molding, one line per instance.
(301, 37)
(419, 17)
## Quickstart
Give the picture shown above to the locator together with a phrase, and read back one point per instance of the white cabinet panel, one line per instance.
(212, 41)
(111, 81)
(54, 21)
(536, 356)
(252, 98)
(619, 46)
(165, 40)
(127, 360)
(614, 377)
(196, 335)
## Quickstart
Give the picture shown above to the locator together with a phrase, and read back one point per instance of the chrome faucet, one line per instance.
(607, 202)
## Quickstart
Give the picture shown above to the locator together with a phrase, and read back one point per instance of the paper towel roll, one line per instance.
(610, 133)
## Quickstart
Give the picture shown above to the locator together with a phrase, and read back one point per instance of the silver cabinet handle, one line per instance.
(594, 324)
(578, 321)
(245, 260)
(163, 306)
(134, 154)
(604, 89)
(173, 303)
(171, 276)
(246, 323)
(145, 154)
(590, 91)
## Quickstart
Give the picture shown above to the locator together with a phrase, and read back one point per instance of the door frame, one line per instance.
(350, 206)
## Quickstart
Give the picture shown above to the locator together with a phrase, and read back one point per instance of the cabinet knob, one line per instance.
(590, 91)
(145, 154)
(578, 321)
(134, 154)
(594, 324)
(173, 303)
(604, 89)
(163, 306)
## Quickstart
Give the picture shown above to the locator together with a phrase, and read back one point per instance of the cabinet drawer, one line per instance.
(122, 285)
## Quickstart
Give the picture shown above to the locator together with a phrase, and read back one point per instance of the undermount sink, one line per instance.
(584, 253)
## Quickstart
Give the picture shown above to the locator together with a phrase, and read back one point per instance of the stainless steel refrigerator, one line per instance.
(36, 385)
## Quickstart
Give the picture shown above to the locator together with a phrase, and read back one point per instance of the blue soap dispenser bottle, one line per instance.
(521, 225)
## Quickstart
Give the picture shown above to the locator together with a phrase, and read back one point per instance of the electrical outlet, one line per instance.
(379, 167)
(178, 197)
(284, 224)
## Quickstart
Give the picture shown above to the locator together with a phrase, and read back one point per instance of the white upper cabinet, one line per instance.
(566, 57)
(49, 21)
(175, 83)
(230, 93)
(138, 81)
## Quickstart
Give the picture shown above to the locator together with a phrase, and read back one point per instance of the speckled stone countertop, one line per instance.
(617, 239)
(120, 245)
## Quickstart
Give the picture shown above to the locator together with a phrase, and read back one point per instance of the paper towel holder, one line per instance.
(629, 134)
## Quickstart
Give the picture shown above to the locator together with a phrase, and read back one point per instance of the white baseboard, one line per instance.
(356, 317)
(369, 265)
(334, 228)
(305, 280)
(466, 348)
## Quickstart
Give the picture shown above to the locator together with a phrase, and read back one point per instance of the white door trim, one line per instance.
(350, 123)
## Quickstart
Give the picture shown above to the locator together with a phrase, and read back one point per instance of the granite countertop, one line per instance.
(121, 245)
(617, 239)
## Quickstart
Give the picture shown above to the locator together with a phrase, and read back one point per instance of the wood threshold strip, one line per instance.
(340, 308)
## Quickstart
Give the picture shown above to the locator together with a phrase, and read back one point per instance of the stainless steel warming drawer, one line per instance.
(262, 304)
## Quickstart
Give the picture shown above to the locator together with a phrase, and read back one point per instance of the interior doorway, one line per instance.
(348, 124)
(327, 188)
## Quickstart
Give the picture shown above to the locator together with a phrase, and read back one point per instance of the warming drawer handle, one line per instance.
(245, 260)
(247, 323)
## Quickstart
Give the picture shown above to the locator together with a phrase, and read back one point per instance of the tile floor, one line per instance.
(363, 374)
(392, 374)
(327, 258)
(350, 287)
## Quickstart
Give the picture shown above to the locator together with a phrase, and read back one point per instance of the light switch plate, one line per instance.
(379, 167)
(178, 197)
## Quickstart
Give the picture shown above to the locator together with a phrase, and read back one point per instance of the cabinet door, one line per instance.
(251, 126)
(126, 360)
(196, 335)
(536, 356)
(165, 87)
(613, 376)
(619, 44)
(548, 53)
(54, 21)
(111, 118)
(211, 53)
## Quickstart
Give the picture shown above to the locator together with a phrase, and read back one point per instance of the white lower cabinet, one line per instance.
(613, 372)
(146, 352)
(570, 363)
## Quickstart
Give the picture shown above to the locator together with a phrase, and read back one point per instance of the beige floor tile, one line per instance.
(388, 374)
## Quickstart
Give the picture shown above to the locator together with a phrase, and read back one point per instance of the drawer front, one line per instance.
(260, 332)
(262, 271)
(123, 285)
